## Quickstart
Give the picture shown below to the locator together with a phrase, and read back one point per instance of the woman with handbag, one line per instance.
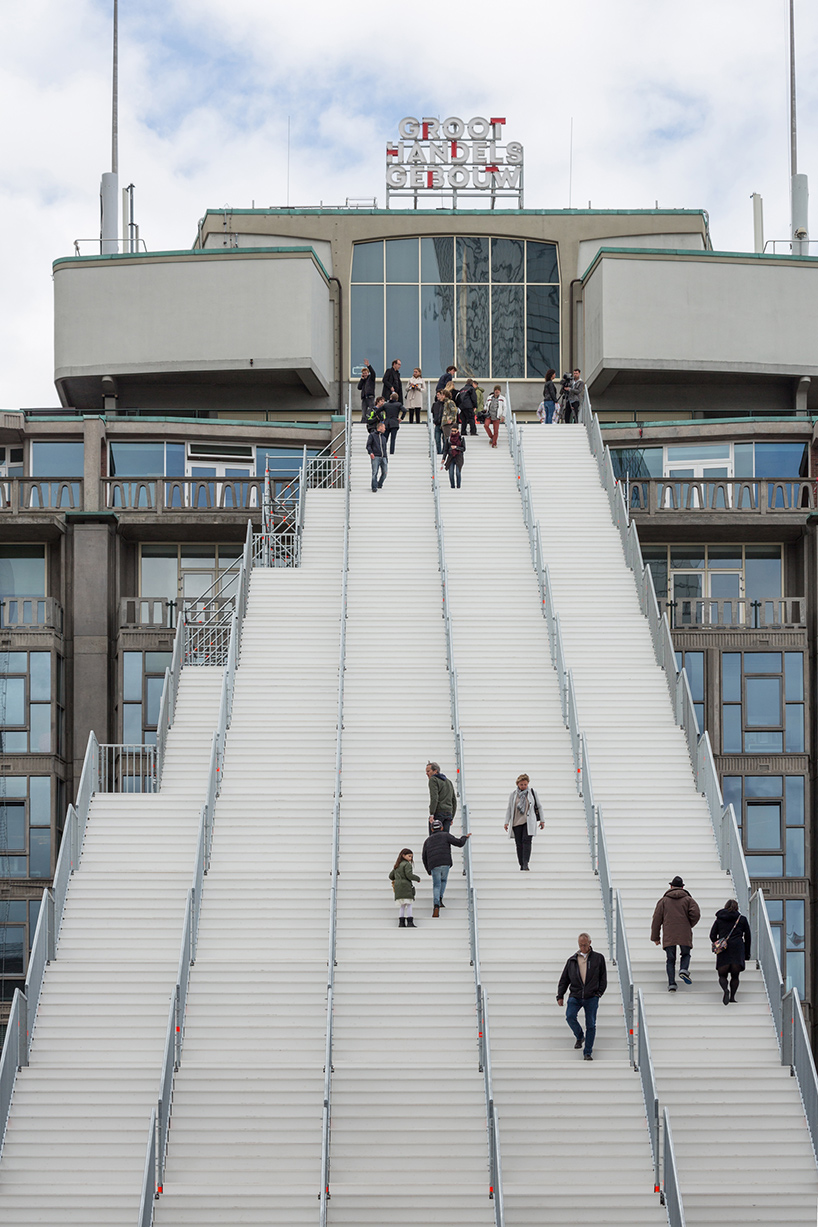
(731, 941)
(414, 396)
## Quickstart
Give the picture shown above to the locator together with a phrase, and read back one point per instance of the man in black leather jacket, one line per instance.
(467, 403)
(586, 974)
(392, 381)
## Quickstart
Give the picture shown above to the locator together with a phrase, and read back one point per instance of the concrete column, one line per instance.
(94, 438)
(92, 582)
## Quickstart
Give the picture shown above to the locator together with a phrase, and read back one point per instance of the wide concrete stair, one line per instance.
(742, 1146)
(78, 1128)
(245, 1141)
(556, 1110)
(409, 1142)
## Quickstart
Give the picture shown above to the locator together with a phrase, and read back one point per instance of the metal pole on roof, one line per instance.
(109, 188)
(115, 99)
(799, 187)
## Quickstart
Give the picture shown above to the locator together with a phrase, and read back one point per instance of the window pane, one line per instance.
(731, 793)
(40, 728)
(794, 728)
(14, 743)
(762, 662)
(507, 357)
(796, 931)
(763, 743)
(762, 827)
(724, 586)
(402, 326)
(694, 666)
(153, 686)
(473, 331)
(132, 723)
(542, 262)
(22, 570)
(765, 866)
(507, 260)
(687, 557)
(731, 730)
(33, 917)
(13, 786)
(401, 260)
(39, 805)
(795, 800)
(781, 460)
(137, 459)
(763, 785)
(366, 324)
(795, 976)
(132, 676)
(724, 556)
(367, 262)
(174, 459)
(159, 571)
(40, 679)
(12, 700)
(472, 259)
(437, 260)
(543, 320)
(158, 662)
(762, 570)
(12, 954)
(794, 676)
(13, 911)
(12, 828)
(656, 559)
(13, 662)
(743, 459)
(437, 327)
(697, 451)
(763, 701)
(199, 557)
(56, 459)
(39, 854)
(775, 910)
(638, 462)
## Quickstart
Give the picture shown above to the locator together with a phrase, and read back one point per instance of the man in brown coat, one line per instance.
(675, 915)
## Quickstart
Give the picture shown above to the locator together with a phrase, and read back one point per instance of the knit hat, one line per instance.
(436, 824)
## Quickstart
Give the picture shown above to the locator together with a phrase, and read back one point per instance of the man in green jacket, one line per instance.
(442, 796)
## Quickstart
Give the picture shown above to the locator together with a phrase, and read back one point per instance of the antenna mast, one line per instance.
(799, 188)
(109, 188)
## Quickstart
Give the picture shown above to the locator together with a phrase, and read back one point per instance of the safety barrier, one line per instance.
(483, 1032)
(324, 1194)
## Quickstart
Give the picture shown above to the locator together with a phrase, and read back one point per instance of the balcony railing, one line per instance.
(40, 494)
(30, 613)
(655, 496)
(735, 613)
(162, 613)
(184, 493)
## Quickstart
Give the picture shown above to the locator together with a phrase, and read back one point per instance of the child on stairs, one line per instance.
(402, 878)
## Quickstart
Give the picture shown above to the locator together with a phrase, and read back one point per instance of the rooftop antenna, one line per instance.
(571, 162)
(109, 187)
(799, 189)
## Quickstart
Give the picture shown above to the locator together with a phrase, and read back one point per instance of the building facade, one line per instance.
(183, 375)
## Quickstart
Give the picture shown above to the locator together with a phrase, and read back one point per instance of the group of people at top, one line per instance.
(584, 977)
(455, 413)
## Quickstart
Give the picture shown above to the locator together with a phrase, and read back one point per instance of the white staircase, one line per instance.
(742, 1147)
(574, 1143)
(75, 1146)
(409, 1142)
(245, 1138)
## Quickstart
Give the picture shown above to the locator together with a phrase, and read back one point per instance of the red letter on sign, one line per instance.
(454, 150)
(497, 121)
(430, 176)
(426, 136)
(391, 152)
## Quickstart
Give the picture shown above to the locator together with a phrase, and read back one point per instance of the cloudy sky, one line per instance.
(684, 103)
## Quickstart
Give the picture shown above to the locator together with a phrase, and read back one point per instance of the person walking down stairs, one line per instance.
(437, 860)
(675, 915)
(403, 878)
(586, 975)
(732, 940)
(523, 814)
(376, 447)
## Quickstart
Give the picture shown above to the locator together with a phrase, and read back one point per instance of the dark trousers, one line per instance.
(684, 961)
(367, 403)
(454, 469)
(733, 970)
(446, 819)
(414, 414)
(523, 841)
(391, 434)
(467, 418)
(438, 438)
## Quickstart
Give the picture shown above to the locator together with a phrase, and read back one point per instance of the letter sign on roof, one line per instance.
(467, 155)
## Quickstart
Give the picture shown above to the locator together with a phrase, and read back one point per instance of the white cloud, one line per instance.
(684, 105)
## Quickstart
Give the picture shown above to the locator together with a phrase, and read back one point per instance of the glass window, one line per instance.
(762, 570)
(637, 463)
(762, 827)
(473, 331)
(13, 786)
(743, 465)
(472, 259)
(12, 950)
(12, 701)
(796, 924)
(367, 262)
(763, 701)
(507, 260)
(687, 557)
(401, 260)
(437, 260)
(132, 723)
(765, 866)
(731, 676)
(763, 785)
(159, 571)
(655, 556)
(724, 556)
(731, 730)
(57, 459)
(794, 728)
(731, 793)
(542, 262)
(132, 676)
(40, 675)
(13, 827)
(507, 325)
(778, 460)
(794, 675)
(158, 662)
(137, 459)
(39, 805)
(796, 972)
(762, 662)
(40, 728)
(437, 325)
(367, 325)
(39, 853)
(795, 800)
(766, 742)
(694, 666)
(775, 910)
(795, 852)
(402, 325)
(543, 329)
(22, 570)
(682, 452)
(153, 689)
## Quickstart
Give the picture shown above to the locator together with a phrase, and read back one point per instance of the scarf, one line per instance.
(522, 800)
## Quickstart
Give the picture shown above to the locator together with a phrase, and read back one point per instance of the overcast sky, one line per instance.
(684, 103)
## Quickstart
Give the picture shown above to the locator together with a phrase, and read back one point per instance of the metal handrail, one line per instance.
(483, 1034)
(644, 1063)
(623, 963)
(148, 1177)
(672, 1194)
(324, 1193)
(799, 1057)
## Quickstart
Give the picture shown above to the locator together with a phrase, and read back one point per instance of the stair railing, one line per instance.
(639, 1054)
(672, 1193)
(324, 1194)
(483, 1033)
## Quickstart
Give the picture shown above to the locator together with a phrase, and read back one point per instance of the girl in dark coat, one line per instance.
(730, 924)
(453, 450)
(403, 877)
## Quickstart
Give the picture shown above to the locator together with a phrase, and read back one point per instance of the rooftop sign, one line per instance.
(454, 157)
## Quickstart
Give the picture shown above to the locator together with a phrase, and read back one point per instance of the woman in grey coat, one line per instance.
(523, 813)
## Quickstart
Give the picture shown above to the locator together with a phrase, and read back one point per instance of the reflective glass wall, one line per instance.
(491, 305)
